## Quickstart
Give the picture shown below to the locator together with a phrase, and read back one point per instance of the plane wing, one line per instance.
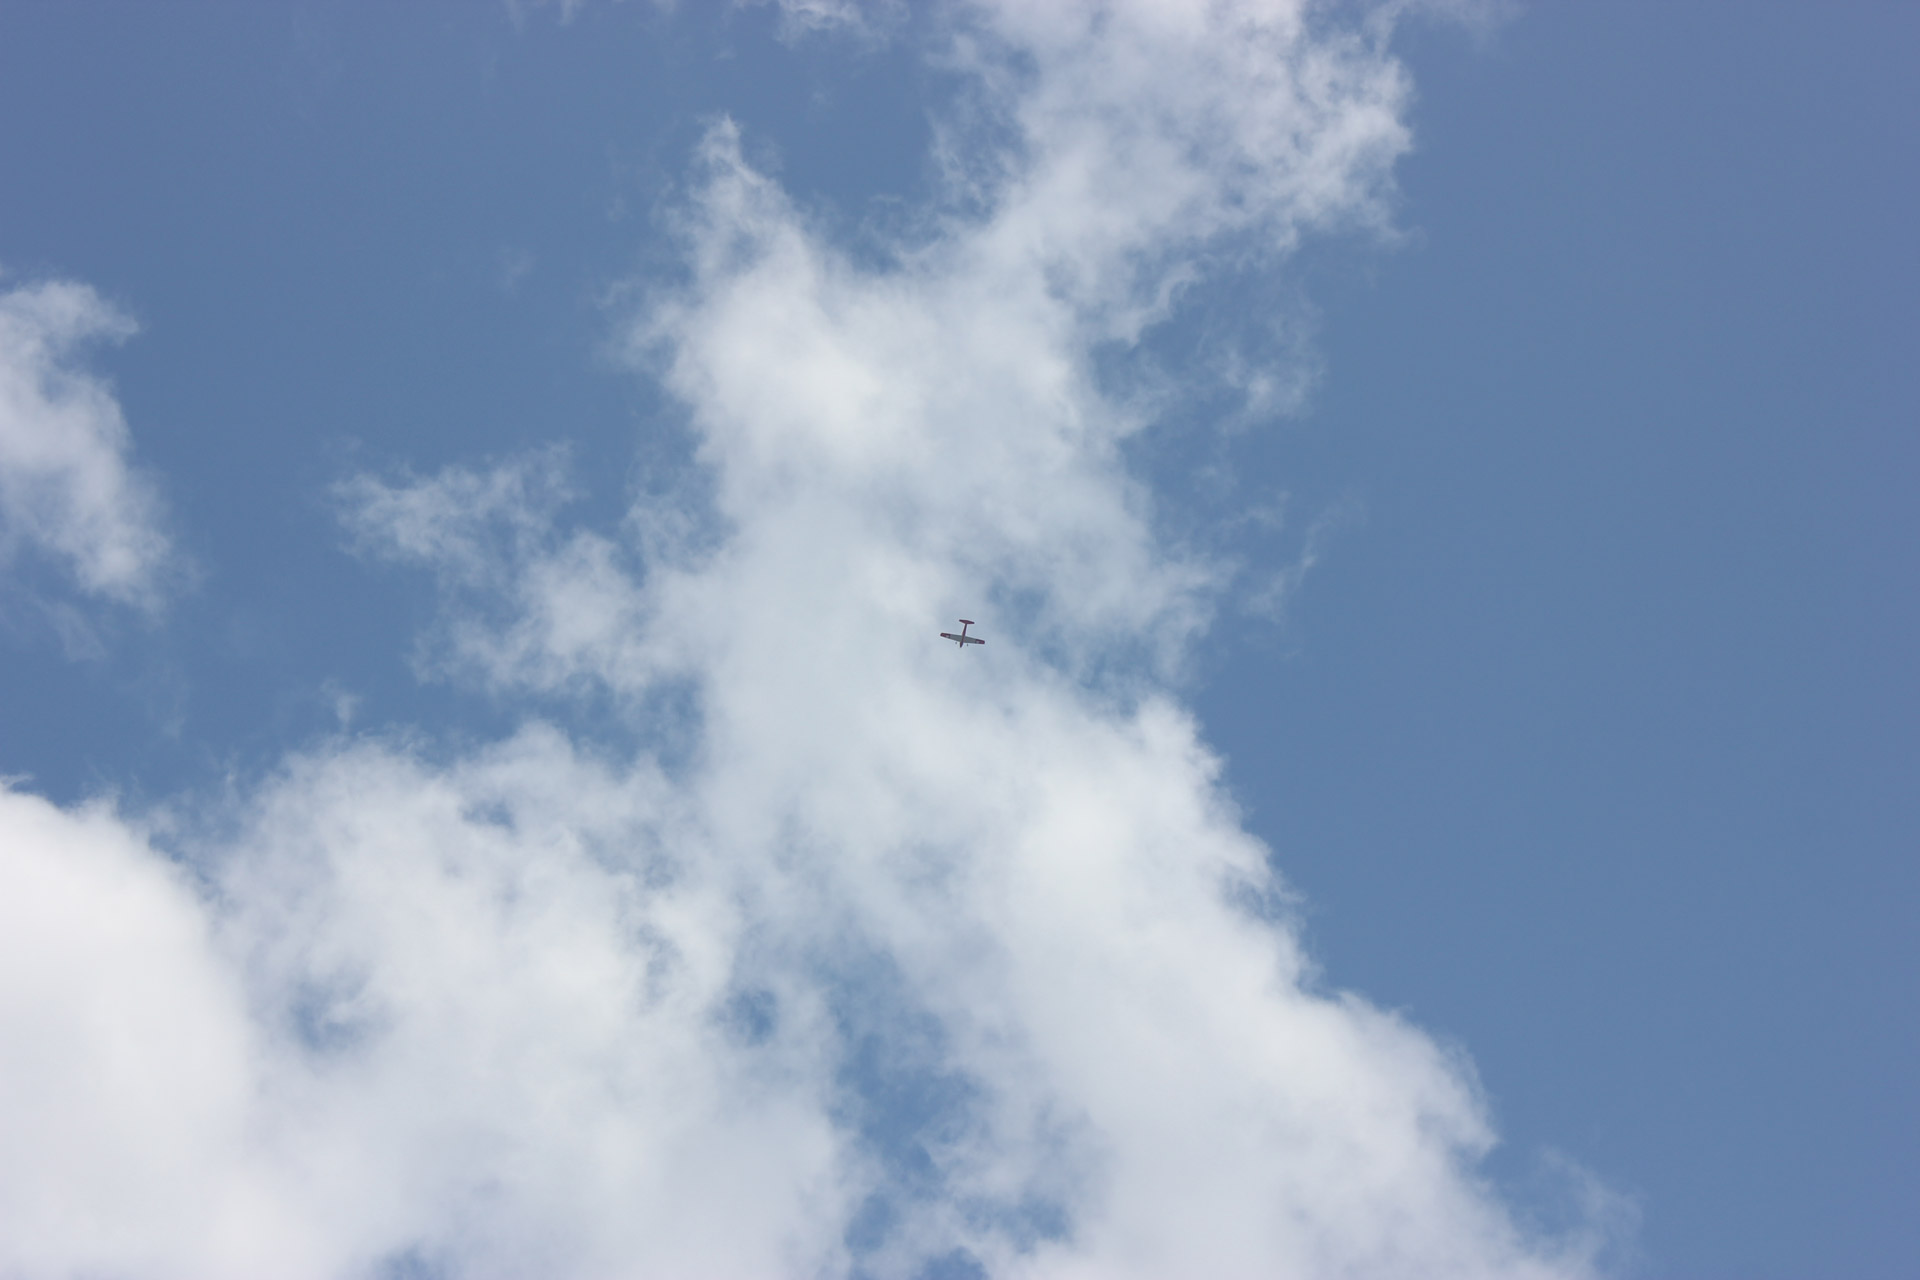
(948, 635)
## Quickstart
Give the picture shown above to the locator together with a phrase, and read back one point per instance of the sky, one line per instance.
(480, 486)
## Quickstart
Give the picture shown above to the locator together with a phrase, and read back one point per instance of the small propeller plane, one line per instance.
(963, 639)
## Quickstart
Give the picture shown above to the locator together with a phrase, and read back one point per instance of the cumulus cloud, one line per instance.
(66, 488)
(912, 961)
(124, 1087)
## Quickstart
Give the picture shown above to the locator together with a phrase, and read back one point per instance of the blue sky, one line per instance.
(1502, 463)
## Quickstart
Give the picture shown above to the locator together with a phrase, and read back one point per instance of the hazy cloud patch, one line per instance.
(67, 489)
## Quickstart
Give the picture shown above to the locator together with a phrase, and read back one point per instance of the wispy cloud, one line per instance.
(916, 956)
(67, 490)
(871, 21)
(528, 603)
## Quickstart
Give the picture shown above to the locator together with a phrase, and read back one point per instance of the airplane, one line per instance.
(963, 639)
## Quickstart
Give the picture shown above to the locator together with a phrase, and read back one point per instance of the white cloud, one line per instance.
(534, 607)
(125, 1081)
(467, 1015)
(66, 489)
(915, 953)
